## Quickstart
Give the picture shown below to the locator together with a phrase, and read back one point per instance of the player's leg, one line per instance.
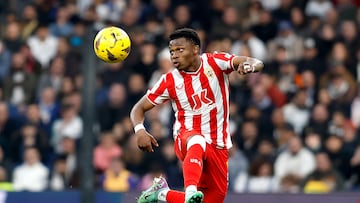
(190, 149)
(157, 191)
(193, 166)
(160, 191)
(214, 180)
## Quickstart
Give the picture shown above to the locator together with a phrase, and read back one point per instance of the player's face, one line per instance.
(183, 54)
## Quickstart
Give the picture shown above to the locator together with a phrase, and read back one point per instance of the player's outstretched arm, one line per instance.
(145, 140)
(244, 65)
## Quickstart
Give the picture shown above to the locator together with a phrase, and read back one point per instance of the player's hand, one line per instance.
(245, 68)
(146, 141)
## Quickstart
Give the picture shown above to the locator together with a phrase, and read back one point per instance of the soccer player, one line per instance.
(198, 89)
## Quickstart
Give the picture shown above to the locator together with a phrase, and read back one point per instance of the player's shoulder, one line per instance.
(170, 74)
(218, 55)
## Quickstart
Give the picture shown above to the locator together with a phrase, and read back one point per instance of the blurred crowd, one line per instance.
(295, 126)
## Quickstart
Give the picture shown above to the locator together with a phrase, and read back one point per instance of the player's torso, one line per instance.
(198, 92)
(198, 100)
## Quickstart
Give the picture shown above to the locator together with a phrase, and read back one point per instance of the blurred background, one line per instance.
(295, 126)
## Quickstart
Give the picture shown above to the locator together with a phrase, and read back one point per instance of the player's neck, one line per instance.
(195, 65)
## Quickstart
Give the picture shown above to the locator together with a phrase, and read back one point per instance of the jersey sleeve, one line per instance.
(224, 61)
(158, 94)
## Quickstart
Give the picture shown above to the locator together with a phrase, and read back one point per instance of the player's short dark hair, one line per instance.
(187, 33)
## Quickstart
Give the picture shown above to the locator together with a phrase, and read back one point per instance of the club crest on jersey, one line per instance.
(209, 72)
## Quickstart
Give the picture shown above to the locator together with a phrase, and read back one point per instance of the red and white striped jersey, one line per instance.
(200, 99)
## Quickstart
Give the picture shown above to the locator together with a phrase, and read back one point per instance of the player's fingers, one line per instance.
(149, 148)
(240, 71)
(154, 142)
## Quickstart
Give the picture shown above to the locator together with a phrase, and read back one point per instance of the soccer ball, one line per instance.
(112, 44)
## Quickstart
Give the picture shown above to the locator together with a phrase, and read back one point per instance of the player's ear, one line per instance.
(196, 49)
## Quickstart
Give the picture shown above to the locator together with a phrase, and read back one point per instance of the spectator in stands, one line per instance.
(319, 121)
(318, 8)
(351, 141)
(260, 178)
(48, 106)
(115, 109)
(71, 56)
(299, 21)
(31, 64)
(346, 10)
(278, 98)
(308, 82)
(70, 124)
(313, 141)
(183, 16)
(70, 151)
(12, 38)
(29, 21)
(248, 139)
(165, 65)
(297, 113)
(253, 113)
(133, 157)
(29, 136)
(341, 87)
(106, 151)
(75, 99)
(148, 62)
(6, 164)
(228, 24)
(288, 39)
(58, 177)
(349, 37)
(355, 168)
(337, 124)
(66, 89)
(117, 178)
(261, 99)
(324, 178)
(287, 78)
(310, 59)
(238, 164)
(266, 28)
(136, 88)
(295, 161)
(7, 127)
(256, 46)
(158, 10)
(281, 130)
(355, 109)
(5, 60)
(65, 174)
(267, 149)
(115, 73)
(53, 77)
(19, 85)
(171, 164)
(31, 175)
(120, 133)
(61, 27)
(282, 12)
(5, 185)
(41, 41)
